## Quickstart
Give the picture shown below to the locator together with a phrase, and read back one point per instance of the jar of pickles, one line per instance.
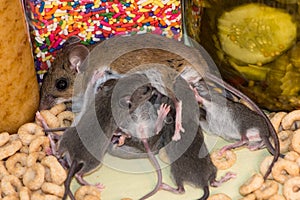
(255, 44)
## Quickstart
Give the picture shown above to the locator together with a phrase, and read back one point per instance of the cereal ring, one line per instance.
(277, 197)
(249, 197)
(24, 193)
(24, 149)
(296, 141)
(265, 164)
(51, 188)
(58, 108)
(48, 174)
(292, 156)
(284, 169)
(34, 157)
(285, 140)
(39, 196)
(268, 189)
(29, 132)
(10, 148)
(4, 138)
(11, 197)
(291, 188)
(16, 164)
(220, 196)
(10, 185)
(295, 125)
(51, 197)
(289, 119)
(57, 172)
(87, 192)
(276, 120)
(90, 197)
(65, 118)
(224, 161)
(50, 119)
(298, 161)
(13, 137)
(34, 176)
(3, 170)
(38, 144)
(252, 184)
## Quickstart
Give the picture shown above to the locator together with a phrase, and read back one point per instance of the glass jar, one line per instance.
(255, 44)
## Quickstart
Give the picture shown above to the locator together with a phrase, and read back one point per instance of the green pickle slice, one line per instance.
(256, 33)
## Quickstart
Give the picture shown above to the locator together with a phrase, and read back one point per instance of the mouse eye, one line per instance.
(125, 102)
(169, 120)
(61, 84)
(146, 90)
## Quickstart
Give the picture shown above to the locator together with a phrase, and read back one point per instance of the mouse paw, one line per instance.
(256, 146)
(223, 179)
(119, 138)
(122, 139)
(199, 99)
(178, 129)
(176, 136)
(162, 113)
(164, 109)
(233, 146)
(100, 186)
(179, 190)
(40, 120)
(48, 151)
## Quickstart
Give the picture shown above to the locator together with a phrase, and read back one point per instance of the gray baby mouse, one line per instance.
(236, 122)
(82, 147)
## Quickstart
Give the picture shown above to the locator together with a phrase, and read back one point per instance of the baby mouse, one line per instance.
(234, 121)
(141, 115)
(83, 146)
(189, 158)
(147, 120)
(194, 166)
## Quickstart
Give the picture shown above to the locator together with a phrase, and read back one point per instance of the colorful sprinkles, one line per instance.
(53, 21)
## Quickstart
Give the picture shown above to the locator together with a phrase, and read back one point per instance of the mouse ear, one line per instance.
(77, 55)
(72, 40)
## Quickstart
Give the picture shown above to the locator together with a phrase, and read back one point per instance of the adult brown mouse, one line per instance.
(121, 54)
